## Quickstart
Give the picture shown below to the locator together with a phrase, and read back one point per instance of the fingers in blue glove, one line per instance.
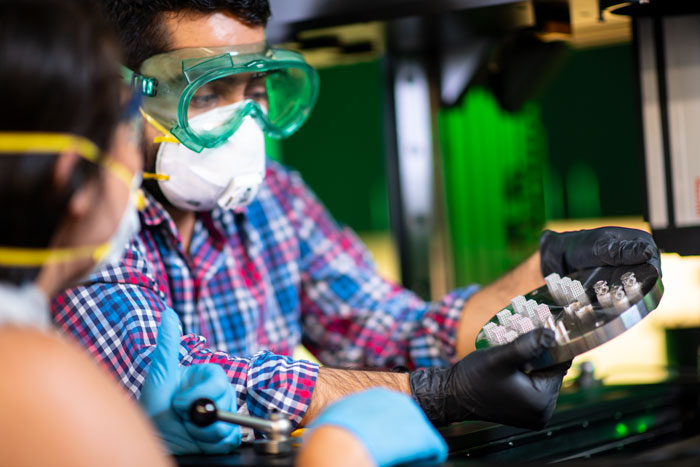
(167, 382)
(210, 381)
(163, 374)
(390, 425)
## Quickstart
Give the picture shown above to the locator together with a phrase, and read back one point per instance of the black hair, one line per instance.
(59, 73)
(138, 25)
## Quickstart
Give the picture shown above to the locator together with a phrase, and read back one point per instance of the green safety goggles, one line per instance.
(201, 95)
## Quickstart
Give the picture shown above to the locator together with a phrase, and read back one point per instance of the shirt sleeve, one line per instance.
(116, 316)
(354, 317)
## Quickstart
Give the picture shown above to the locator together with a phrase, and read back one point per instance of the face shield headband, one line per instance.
(275, 87)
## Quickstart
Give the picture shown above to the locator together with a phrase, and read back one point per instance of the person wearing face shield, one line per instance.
(70, 175)
(254, 265)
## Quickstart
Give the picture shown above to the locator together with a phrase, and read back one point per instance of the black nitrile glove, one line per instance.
(490, 385)
(567, 252)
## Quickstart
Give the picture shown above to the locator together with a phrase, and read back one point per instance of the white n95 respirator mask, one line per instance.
(228, 176)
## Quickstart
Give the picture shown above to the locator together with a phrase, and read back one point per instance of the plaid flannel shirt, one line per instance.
(257, 281)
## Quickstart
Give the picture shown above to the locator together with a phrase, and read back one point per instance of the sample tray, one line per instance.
(589, 328)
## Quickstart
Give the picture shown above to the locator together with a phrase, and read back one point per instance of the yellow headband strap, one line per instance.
(49, 143)
(52, 144)
(56, 143)
(28, 257)
(119, 170)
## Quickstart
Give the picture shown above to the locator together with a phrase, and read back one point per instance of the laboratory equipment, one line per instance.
(203, 412)
(584, 310)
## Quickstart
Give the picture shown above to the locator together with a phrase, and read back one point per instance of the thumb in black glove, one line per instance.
(490, 385)
(567, 252)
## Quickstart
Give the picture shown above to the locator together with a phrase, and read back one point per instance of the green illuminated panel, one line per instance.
(493, 164)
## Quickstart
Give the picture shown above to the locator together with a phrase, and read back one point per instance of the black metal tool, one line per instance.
(203, 412)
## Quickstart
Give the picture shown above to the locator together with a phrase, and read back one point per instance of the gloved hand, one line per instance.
(490, 385)
(390, 426)
(169, 390)
(567, 252)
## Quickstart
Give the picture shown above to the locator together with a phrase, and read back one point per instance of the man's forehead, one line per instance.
(195, 29)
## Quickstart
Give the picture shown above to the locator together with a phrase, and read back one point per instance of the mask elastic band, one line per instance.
(29, 257)
(155, 176)
(168, 138)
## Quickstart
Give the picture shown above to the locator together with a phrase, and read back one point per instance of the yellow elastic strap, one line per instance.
(52, 144)
(56, 143)
(119, 170)
(28, 257)
(140, 200)
(167, 136)
(49, 143)
(154, 176)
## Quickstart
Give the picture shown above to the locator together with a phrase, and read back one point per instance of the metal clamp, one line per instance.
(203, 412)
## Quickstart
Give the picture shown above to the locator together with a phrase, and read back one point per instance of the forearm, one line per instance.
(333, 384)
(333, 445)
(59, 408)
(484, 304)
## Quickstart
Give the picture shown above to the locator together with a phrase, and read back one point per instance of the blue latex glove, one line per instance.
(390, 425)
(169, 390)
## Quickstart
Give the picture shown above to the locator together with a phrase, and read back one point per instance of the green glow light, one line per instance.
(642, 426)
(644, 423)
(621, 430)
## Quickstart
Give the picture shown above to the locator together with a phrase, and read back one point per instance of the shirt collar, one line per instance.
(154, 214)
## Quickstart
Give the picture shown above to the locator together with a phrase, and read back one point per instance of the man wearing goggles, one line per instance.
(253, 263)
(210, 102)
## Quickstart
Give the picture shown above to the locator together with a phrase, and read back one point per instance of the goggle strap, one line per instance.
(167, 136)
(144, 85)
(166, 139)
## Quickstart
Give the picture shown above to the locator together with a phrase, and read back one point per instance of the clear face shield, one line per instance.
(201, 96)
